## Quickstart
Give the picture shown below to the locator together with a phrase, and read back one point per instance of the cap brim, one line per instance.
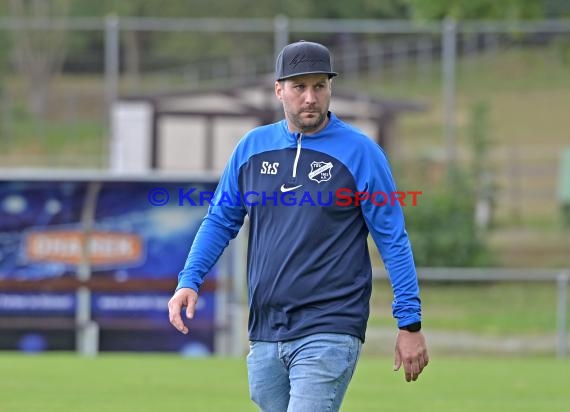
(330, 74)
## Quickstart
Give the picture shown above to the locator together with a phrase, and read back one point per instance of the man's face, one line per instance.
(306, 101)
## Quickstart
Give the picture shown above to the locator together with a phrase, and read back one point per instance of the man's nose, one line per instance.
(310, 96)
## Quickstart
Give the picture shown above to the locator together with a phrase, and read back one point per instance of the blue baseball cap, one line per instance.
(303, 57)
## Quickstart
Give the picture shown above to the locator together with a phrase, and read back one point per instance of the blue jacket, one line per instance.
(308, 264)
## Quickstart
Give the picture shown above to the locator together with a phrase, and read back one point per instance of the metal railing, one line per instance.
(560, 277)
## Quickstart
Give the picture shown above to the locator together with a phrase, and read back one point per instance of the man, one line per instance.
(307, 178)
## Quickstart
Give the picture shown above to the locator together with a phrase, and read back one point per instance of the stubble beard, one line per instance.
(308, 125)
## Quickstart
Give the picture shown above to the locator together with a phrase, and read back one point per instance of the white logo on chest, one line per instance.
(269, 168)
(321, 171)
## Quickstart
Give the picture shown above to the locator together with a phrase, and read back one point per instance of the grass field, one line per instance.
(141, 383)
(485, 308)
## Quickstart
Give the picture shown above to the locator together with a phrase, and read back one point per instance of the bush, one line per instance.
(442, 228)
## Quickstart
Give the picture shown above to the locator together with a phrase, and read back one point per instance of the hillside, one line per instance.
(526, 95)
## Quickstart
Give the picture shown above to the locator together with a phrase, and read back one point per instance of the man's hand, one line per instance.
(411, 350)
(184, 297)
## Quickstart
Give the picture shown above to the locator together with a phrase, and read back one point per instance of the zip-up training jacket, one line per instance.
(308, 264)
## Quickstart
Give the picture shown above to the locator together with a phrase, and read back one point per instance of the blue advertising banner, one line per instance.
(125, 240)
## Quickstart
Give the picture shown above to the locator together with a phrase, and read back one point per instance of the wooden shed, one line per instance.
(197, 130)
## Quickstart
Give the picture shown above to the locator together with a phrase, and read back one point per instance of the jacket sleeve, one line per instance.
(221, 224)
(385, 220)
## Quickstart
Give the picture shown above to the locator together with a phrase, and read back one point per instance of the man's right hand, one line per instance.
(184, 297)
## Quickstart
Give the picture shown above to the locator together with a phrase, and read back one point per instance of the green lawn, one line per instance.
(526, 89)
(53, 143)
(140, 383)
(493, 309)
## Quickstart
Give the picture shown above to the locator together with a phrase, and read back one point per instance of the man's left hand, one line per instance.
(411, 351)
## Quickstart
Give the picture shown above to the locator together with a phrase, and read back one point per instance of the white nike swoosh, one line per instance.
(288, 189)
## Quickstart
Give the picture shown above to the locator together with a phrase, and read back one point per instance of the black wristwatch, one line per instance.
(412, 327)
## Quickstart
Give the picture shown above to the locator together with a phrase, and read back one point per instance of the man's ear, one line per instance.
(278, 90)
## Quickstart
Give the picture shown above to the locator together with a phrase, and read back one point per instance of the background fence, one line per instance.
(497, 96)
(60, 77)
(524, 340)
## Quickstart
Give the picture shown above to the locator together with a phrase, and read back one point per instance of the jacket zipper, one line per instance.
(299, 137)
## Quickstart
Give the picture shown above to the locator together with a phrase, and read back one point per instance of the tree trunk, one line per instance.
(39, 54)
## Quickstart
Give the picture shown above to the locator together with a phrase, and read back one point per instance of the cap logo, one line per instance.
(301, 58)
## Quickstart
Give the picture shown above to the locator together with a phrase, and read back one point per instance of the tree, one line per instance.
(355, 9)
(38, 54)
(476, 9)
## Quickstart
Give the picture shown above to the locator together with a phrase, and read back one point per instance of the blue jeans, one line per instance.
(309, 374)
